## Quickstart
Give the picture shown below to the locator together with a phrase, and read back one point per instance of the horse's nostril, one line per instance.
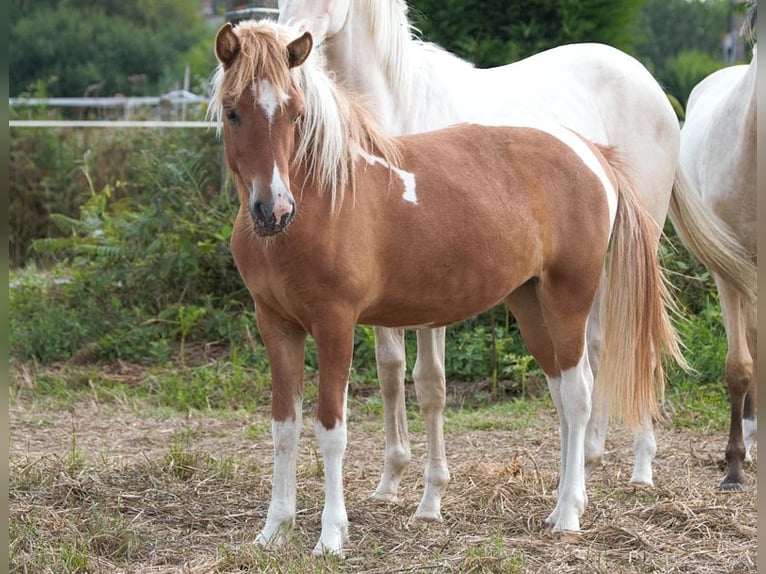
(262, 211)
(287, 216)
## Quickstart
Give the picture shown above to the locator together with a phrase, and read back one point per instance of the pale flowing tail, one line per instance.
(710, 239)
(639, 333)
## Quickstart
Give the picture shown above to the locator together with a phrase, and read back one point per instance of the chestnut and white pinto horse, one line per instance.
(340, 225)
(718, 151)
(598, 91)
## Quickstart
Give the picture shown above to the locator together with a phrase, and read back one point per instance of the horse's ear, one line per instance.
(299, 49)
(226, 45)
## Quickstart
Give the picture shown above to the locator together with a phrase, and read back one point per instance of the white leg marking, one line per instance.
(750, 426)
(430, 386)
(332, 445)
(576, 385)
(644, 449)
(280, 518)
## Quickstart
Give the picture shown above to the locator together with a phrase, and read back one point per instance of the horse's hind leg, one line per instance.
(750, 422)
(739, 372)
(559, 341)
(430, 387)
(390, 359)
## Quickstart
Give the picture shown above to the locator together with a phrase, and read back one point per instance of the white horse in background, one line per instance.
(596, 90)
(718, 151)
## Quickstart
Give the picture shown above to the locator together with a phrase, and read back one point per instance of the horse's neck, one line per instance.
(351, 55)
(401, 86)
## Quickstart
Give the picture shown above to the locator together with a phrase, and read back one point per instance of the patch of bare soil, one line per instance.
(146, 494)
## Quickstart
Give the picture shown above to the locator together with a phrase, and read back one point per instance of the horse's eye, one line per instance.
(231, 115)
(297, 117)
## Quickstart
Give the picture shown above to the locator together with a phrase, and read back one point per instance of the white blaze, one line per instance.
(268, 98)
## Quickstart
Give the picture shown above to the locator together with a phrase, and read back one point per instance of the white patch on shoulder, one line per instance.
(407, 177)
(268, 98)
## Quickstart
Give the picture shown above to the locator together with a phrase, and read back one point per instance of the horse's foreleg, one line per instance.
(284, 344)
(390, 359)
(430, 386)
(334, 338)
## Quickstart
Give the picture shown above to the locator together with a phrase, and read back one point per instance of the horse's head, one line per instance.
(323, 18)
(259, 107)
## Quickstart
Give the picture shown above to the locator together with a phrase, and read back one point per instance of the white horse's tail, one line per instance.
(639, 333)
(710, 239)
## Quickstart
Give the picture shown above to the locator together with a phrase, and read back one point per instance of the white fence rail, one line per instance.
(109, 124)
(171, 104)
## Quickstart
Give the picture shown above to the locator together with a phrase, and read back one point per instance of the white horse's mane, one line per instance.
(392, 31)
(334, 126)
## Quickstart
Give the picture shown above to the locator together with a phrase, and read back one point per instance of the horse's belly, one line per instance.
(435, 302)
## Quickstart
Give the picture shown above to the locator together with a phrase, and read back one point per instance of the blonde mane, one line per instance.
(335, 125)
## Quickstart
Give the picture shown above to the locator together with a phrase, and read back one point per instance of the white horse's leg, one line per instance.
(644, 449)
(390, 359)
(575, 386)
(430, 387)
(598, 424)
(751, 432)
(644, 445)
(332, 446)
(750, 420)
(280, 518)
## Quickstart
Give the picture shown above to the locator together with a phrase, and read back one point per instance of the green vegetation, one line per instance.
(490, 33)
(104, 47)
(141, 273)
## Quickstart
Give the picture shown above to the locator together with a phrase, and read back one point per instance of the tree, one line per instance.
(494, 32)
(682, 40)
(109, 46)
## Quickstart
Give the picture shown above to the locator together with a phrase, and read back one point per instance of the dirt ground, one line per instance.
(189, 494)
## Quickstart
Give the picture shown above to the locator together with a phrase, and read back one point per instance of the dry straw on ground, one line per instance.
(153, 494)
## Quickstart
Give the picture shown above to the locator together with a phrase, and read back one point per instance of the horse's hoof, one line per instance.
(384, 497)
(566, 536)
(428, 516)
(731, 486)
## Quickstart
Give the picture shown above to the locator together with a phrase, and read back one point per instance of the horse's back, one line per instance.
(596, 90)
(718, 148)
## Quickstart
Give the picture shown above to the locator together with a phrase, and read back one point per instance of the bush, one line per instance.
(135, 263)
(143, 270)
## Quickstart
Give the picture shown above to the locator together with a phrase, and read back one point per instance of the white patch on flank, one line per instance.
(589, 158)
(586, 154)
(269, 99)
(408, 178)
